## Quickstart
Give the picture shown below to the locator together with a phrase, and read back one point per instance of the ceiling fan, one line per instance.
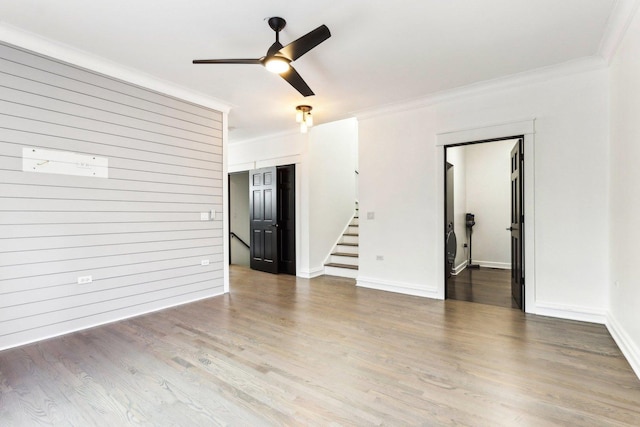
(278, 58)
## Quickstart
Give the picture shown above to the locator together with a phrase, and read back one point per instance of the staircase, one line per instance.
(343, 260)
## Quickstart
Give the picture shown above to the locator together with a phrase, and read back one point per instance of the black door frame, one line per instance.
(444, 207)
(287, 219)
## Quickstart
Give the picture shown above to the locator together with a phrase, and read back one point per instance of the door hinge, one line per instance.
(522, 157)
(522, 219)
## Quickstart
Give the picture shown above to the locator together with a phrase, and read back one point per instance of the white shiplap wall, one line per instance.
(138, 233)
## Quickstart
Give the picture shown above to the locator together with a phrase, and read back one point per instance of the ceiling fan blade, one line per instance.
(227, 61)
(304, 44)
(295, 80)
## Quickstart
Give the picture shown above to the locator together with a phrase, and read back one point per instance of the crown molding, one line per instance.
(275, 135)
(564, 69)
(61, 52)
(617, 25)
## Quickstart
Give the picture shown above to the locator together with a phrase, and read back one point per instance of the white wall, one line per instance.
(488, 174)
(239, 216)
(332, 186)
(624, 309)
(398, 170)
(397, 151)
(270, 151)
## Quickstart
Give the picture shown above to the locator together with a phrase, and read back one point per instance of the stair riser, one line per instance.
(347, 249)
(341, 272)
(353, 230)
(343, 259)
(349, 239)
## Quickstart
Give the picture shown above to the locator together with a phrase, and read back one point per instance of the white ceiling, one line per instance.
(380, 52)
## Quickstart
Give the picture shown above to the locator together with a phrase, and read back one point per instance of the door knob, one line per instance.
(510, 229)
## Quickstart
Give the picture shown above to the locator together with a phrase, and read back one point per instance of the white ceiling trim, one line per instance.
(282, 134)
(617, 24)
(528, 77)
(61, 52)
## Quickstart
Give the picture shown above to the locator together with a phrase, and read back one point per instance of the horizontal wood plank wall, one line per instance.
(138, 233)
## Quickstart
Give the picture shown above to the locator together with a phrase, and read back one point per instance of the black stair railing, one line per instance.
(240, 240)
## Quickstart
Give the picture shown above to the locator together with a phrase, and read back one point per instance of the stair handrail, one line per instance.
(241, 241)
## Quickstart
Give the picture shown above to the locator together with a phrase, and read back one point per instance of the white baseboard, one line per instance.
(457, 270)
(310, 273)
(582, 314)
(629, 349)
(492, 264)
(486, 264)
(415, 289)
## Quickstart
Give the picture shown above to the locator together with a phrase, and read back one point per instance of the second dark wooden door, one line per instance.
(263, 218)
(287, 219)
(517, 278)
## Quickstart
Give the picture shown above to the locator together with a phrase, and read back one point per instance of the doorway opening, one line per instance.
(239, 218)
(484, 231)
(262, 219)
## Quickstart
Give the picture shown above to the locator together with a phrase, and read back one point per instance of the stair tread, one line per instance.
(347, 244)
(350, 234)
(345, 254)
(336, 264)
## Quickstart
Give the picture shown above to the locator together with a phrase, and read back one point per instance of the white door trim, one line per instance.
(481, 133)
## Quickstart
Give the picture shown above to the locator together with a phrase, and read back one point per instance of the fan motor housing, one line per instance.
(277, 24)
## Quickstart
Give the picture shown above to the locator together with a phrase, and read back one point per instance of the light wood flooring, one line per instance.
(280, 350)
(483, 285)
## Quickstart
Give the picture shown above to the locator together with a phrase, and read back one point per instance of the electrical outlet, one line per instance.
(371, 215)
(83, 280)
(204, 216)
(204, 262)
(379, 257)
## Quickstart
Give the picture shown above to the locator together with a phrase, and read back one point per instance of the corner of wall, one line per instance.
(629, 349)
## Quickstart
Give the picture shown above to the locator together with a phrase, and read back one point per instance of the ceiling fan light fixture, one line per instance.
(278, 57)
(277, 64)
(303, 116)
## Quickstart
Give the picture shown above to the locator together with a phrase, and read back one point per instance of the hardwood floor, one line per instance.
(280, 350)
(484, 285)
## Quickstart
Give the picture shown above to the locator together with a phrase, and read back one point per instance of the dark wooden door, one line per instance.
(287, 219)
(263, 218)
(517, 218)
